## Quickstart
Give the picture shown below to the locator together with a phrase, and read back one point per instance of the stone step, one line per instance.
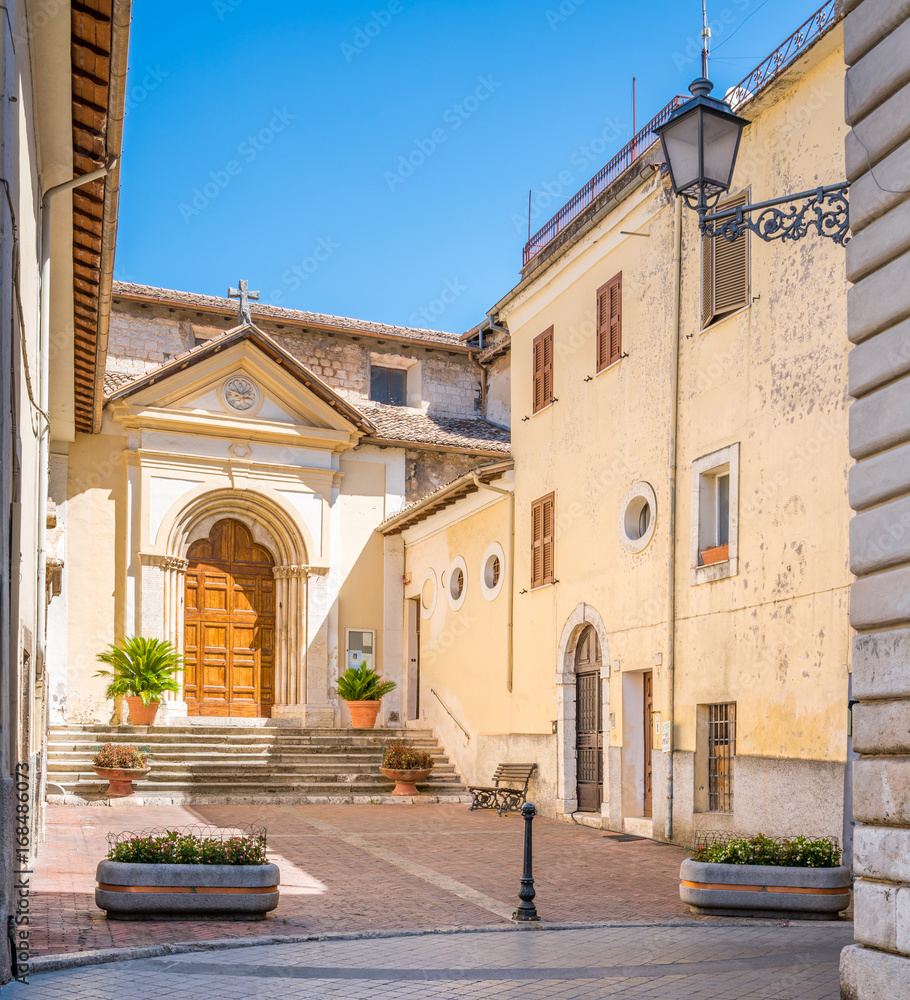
(211, 764)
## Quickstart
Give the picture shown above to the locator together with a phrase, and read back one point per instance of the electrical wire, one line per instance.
(741, 23)
(849, 118)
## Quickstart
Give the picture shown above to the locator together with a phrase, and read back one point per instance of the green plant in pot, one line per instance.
(143, 670)
(406, 765)
(362, 688)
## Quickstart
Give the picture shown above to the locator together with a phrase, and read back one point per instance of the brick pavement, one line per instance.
(713, 961)
(363, 868)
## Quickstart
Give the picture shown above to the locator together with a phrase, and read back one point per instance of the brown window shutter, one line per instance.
(726, 271)
(609, 322)
(548, 505)
(536, 543)
(543, 370)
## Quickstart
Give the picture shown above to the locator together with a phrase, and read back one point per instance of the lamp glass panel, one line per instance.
(721, 137)
(680, 141)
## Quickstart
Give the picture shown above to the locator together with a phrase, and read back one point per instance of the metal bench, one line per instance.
(504, 794)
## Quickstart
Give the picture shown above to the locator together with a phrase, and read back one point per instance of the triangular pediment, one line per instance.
(243, 376)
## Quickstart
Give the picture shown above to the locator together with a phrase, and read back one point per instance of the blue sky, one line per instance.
(374, 159)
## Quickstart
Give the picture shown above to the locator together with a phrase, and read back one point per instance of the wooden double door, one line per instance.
(229, 625)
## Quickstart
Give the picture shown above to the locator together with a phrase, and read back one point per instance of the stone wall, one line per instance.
(877, 52)
(426, 471)
(144, 336)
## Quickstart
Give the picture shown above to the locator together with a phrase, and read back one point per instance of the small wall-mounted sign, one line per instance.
(665, 737)
(655, 731)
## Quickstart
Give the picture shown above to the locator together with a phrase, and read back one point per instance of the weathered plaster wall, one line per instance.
(877, 50)
(772, 636)
(463, 651)
(428, 470)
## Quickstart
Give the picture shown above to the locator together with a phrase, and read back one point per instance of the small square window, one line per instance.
(389, 385)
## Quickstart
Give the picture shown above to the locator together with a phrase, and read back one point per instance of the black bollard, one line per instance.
(526, 909)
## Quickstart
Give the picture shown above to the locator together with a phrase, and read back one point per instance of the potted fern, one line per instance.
(143, 670)
(406, 765)
(362, 688)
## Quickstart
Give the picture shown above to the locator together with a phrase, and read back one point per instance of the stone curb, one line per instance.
(80, 959)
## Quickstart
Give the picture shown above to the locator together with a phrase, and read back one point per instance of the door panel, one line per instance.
(588, 723)
(648, 706)
(229, 630)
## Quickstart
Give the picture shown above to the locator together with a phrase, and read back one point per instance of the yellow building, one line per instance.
(666, 636)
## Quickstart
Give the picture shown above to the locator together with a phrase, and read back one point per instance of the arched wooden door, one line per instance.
(229, 625)
(589, 737)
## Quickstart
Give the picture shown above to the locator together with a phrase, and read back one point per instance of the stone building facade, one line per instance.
(248, 464)
(877, 52)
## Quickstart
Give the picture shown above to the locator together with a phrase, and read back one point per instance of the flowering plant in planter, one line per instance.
(401, 757)
(175, 848)
(798, 852)
(194, 873)
(120, 756)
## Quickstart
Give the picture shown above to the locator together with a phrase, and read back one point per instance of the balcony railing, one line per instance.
(763, 74)
(784, 54)
(595, 187)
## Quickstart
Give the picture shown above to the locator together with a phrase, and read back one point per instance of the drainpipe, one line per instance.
(671, 562)
(511, 495)
(44, 339)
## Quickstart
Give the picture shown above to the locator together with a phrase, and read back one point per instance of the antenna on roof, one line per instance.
(705, 39)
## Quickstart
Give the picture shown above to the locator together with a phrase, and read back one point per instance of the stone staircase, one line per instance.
(206, 764)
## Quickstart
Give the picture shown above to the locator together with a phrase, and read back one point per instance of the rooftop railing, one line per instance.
(762, 75)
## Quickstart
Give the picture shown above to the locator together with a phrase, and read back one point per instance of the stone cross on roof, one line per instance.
(244, 295)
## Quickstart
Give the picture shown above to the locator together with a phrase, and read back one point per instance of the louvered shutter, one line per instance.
(536, 543)
(543, 370)
(616, 318)
(548, 367)
(725, 272)
(547, 540)
(609, 322)
(603, 327)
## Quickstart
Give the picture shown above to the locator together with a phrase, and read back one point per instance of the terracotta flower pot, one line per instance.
(120, 779)
(363, 713)
(720, 553)
(405, 780)
(141, 715)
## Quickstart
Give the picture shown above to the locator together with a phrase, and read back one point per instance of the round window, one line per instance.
(492, 572)
(428, 594)
(637, 517)
(456, 583)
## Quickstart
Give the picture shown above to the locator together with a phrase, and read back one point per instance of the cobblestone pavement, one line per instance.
(361, 868)
(705, 962)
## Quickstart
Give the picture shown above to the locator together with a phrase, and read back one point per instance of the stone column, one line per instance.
(877, 52)
(295, 695)
(566, 788)
(160, 615)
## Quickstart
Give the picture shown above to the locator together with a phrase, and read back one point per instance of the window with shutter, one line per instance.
(725, 272)
(542, 540)
(543, 370)
(609, 322)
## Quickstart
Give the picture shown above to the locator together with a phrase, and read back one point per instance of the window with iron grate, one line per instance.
(721, 751)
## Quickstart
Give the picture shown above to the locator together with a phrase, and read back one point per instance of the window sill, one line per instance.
(723, 319)
(714, 571)
(543, 409)
(542, 586)
(608, 367)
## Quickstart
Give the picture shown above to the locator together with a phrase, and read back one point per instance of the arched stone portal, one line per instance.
(229, 625)
(299, 671)
(582, 619)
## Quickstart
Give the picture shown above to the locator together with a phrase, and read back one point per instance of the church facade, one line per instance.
(230, 500)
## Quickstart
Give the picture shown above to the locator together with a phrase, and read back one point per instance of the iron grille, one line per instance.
(721, 750)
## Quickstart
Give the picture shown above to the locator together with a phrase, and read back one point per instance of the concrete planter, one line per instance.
(764, 890)
(120, 779)
(159, 892)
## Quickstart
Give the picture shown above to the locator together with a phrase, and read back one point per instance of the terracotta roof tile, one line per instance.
(402, 423)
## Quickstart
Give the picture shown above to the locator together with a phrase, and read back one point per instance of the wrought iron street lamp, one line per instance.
(700, 141)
